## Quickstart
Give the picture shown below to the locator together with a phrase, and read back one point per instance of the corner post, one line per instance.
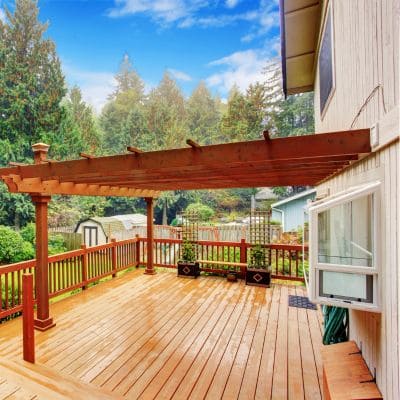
(84, 264)
(137, 251)
(114, 257)
(28, 318)
(150, 216)
(243, 257)
(43, 320)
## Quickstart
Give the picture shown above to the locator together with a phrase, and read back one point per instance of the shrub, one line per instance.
(13, 248)
(56, 244)
(205, 213)
(28, 233)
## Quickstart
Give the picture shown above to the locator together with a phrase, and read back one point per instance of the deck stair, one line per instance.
(22, 380)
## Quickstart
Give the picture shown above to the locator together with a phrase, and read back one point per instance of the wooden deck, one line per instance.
(165, 337)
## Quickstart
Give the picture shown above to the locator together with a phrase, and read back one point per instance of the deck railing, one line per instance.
(77, 269)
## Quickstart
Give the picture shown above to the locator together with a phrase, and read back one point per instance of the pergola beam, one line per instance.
(349, 143)
(35, 185)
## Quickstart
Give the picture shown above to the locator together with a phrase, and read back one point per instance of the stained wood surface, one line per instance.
(162, 337)
(22, 380)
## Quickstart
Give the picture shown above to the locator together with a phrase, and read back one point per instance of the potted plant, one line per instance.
(258, 272)
(231, 275)
(188, 266)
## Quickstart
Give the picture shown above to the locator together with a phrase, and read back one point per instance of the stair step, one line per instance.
(23, 380)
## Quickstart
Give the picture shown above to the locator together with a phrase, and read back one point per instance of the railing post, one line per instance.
(28, 318)
(114, 257)
(150, 237)
(137, 250)
(84, 266)
(243, 257)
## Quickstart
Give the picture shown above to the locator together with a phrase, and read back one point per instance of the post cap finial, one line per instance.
(40, 147)
(40, 152)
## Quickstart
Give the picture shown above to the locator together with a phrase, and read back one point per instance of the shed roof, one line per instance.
(265, 194)
(300, 25)
(297, 196)
(118, 223)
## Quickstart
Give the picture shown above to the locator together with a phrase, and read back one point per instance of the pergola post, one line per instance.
(150, 216)
(43, 320)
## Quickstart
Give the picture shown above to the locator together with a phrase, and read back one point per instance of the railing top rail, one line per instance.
(4, 269)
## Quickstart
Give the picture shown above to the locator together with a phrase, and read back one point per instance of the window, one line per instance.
(325, 63)
(344, 262)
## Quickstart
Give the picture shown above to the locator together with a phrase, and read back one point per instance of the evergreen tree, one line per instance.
(166, 114)
(203, 115)
(83, 118)
(31, 89)
(234, 125)
(122, 120)
(31, 81)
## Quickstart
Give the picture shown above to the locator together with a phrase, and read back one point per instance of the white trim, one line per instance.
(372, 188)
(282, 216)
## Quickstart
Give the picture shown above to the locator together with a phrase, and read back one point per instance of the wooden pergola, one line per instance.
(304, 160)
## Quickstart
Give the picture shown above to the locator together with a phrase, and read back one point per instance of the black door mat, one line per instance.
(301, 302)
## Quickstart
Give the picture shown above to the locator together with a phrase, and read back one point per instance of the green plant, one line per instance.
(56, 244)
(204, 212)
(258, 257)
(188, 251)
(13, 248)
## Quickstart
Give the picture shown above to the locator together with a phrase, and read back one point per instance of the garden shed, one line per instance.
(100, 230)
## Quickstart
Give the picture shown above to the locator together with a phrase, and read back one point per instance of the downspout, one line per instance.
(283, 217)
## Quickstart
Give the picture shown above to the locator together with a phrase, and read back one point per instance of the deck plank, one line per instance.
(162, 337)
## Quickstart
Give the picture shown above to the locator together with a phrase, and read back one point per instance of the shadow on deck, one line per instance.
(165, 337)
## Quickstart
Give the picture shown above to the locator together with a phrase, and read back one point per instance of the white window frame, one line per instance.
(316, 208)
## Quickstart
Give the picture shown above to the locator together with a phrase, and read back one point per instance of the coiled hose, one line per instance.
(336, 324)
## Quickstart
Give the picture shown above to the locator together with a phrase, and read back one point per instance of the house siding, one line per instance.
(366, 51)
(294, 213)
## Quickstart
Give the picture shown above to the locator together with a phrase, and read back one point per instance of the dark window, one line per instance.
(326, 64)
(90, 235)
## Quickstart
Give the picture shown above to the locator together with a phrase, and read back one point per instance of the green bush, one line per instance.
(205, 213)
(56, 244)
(13, 248)
(28, 233)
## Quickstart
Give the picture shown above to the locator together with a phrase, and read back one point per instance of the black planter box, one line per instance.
(188, 269)
(258, 277)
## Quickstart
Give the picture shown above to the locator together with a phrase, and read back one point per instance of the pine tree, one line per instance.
(31, 89)
(122, 122)
(83, 117)
(166, 114)
(31, 81)
(203, 115)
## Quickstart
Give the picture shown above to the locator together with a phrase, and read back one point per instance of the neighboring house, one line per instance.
(100, 230)
(290, 211)
(348, 53)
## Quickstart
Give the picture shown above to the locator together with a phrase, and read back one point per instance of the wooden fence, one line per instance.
(75, 270)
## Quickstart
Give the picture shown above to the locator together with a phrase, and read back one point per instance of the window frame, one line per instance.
(316, 208)
(329, 17)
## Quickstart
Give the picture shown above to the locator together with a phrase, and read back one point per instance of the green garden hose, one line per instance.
(336, 324)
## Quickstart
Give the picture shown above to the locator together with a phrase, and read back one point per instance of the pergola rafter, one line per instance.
(304, 160)
(267, 160)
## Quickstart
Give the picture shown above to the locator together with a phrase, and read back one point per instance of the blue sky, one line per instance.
(220, 41)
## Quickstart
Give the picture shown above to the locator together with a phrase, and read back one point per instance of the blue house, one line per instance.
(290, 211)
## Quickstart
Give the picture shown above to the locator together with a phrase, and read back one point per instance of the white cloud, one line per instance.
(241, 68)
(95, 86)
(186, 14)
(162, 11)
(180, 75)
(231, 3)
(218, 21)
